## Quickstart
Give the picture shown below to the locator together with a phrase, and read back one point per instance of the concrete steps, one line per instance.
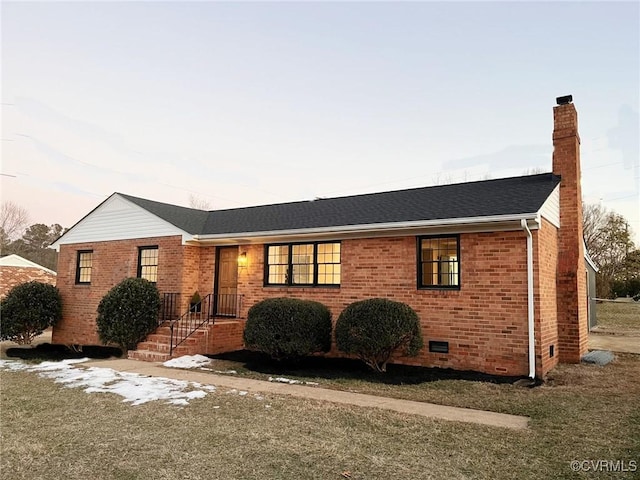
(155, 348)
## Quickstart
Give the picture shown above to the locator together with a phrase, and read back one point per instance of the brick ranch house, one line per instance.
(15, 270)
(495, 269)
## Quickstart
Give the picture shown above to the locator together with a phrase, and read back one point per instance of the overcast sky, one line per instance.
(244, 103)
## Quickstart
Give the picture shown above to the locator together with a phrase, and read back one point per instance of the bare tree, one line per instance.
(607, 236)
(13, 220)
(594, 220)
(199, 203)
(534, 171)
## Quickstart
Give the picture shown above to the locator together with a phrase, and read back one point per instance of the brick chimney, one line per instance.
(571, 285)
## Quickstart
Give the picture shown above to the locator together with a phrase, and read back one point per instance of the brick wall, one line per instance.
(226, 336)
(207, 270)
(114, 261)
(12, 276)
(485, 322)
(545, 304)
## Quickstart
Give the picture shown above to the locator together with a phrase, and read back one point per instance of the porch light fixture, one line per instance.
(242, 260)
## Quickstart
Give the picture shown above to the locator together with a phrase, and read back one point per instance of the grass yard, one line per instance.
(619, 315)
(584, 413)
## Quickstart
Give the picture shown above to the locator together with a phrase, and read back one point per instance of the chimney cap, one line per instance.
(564, 100)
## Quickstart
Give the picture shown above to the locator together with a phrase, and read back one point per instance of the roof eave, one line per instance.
(477, 224)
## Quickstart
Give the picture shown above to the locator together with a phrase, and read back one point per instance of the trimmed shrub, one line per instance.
(374, 329)
(128, 313)
(28, 310)
(288, 328)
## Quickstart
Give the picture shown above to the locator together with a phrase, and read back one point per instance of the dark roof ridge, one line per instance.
(546, 174)
(191, 220)
(133, 197)
(521, 195)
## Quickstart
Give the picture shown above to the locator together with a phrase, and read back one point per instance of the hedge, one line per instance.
(288, 328)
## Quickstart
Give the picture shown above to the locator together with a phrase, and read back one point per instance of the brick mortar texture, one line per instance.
(114, 261)
(485, 322)
(13, 276)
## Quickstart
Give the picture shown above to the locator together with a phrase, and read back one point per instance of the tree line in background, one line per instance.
(28, 241)
(607, 236)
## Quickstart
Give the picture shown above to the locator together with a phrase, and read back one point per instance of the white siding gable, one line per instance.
(551, 207)
(17, 261)
(119, 219)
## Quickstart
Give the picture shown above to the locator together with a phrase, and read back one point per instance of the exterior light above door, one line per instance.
(242, 260)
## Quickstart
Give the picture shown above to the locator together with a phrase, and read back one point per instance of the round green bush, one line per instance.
(288, 328)
(128, 313)
(27, 310)
(374, 329)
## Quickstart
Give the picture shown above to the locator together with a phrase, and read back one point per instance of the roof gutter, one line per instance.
(373, 227)
(588, 258)
(530, 316)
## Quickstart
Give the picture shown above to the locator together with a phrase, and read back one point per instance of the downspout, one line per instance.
(532, 338)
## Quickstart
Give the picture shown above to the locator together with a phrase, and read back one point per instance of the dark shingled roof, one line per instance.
(188, 219)
(504, 196)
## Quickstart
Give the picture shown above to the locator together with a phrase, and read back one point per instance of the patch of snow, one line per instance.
(258, 397)
(218, 371)
(242, 393)
(210, 388)
(284, 380)
(13, 365)
(134, 388)
(188, 361)
(311, 383)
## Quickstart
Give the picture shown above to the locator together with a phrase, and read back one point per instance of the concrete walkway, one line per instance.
(615, 341)
(314, 393)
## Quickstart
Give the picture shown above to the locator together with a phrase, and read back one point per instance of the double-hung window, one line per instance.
(304, 264)
(439, 262)
(148, 263)
(83, 266)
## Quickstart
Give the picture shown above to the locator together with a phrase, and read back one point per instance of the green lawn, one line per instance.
(583, 413)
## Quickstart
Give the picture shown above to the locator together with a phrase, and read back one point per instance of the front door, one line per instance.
(226, 288)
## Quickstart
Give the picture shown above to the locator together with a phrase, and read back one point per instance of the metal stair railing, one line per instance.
(198, 315)
(228, 305)
(169, 308)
